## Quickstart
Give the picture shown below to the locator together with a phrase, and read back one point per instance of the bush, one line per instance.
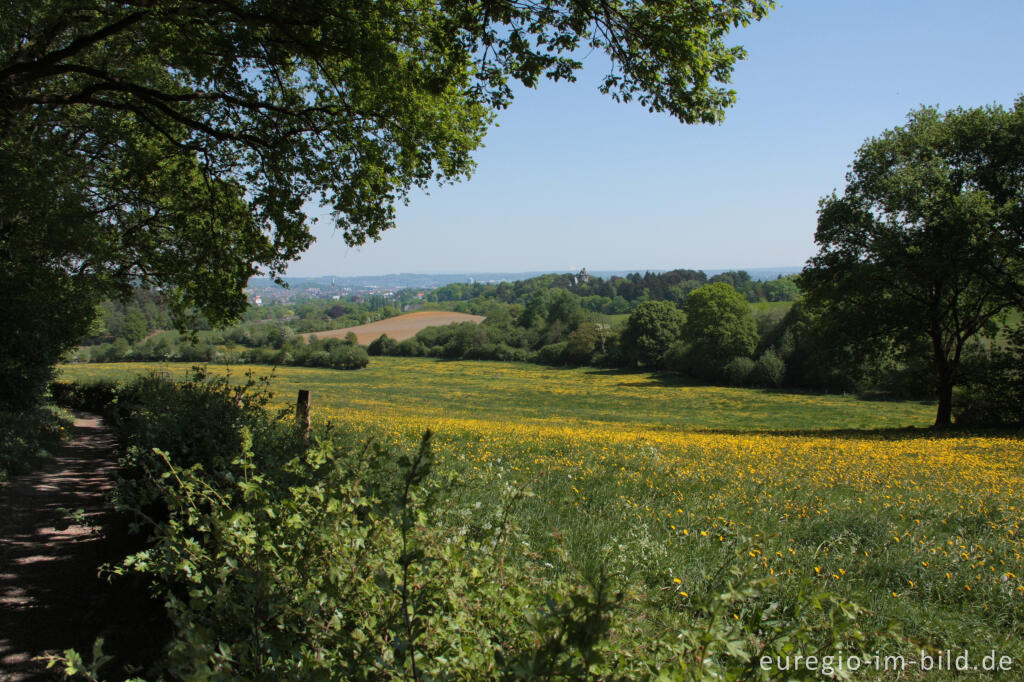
(769, 369)
(507, 353)
(320, 358)
(582, 343)
(93, 397)
(738, 371)
(349, 357)
(677, 358)
(29, 437)
(552, 354)
(260, 356)
(382, 345)
(411, 348)
(463, 339)
(720, 326)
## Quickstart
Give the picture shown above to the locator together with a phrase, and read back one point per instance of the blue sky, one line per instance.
(572, 179)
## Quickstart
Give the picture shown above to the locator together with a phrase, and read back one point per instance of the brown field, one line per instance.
(402, 327)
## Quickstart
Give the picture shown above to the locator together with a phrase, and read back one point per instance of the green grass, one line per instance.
(656, 482)
(613, 320)
(521, 392)
(771, 307)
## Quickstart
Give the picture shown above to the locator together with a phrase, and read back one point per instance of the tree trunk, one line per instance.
(944, 416)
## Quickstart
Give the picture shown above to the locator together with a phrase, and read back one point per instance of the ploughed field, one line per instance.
(401, 327)
(667, 485)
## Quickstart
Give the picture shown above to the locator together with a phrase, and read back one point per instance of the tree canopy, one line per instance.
(925, 248)
(719, 327)
(178, 143)
(650, 330)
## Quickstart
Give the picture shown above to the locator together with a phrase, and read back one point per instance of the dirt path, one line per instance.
(50, 596)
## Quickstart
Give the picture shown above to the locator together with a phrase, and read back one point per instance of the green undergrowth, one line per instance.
(30, 438)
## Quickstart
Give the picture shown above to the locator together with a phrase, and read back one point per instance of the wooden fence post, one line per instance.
(302, 413)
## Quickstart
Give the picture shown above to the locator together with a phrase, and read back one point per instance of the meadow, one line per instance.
(666, 485)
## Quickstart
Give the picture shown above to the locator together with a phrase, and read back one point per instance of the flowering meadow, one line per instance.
(668, 487)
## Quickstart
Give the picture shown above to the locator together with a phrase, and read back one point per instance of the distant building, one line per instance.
(257, 300)
(582, 277)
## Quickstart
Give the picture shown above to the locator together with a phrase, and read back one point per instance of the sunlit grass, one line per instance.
(518, 393)
(664, 483)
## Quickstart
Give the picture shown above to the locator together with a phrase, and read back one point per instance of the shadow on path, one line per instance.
(51, 597)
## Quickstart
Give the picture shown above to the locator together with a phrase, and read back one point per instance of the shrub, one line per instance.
(349, 357)
(582, 343)
(411, 348)
(769, 370)
(283, 559)
(738, 371)
(382, 345)
(320, 358)
(260, 356)
(509, 354)
(29, 437)
(552, 354)
(92, 397)
(462, 339)
(677, 358)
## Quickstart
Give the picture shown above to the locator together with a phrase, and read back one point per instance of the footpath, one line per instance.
(51, 597)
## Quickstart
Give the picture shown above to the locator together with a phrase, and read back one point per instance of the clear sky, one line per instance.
(571, 179)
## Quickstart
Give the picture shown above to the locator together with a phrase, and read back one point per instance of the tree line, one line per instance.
(618, 295)
(715, 336)
(141, 328)
(709, 333)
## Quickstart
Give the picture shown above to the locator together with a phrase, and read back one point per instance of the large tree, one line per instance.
(650, 331)
(178, 143)
(719, 327)
(924, 250)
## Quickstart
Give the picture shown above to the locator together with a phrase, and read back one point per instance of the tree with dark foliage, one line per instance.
(925, 248)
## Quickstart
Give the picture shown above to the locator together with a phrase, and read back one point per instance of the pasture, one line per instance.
(668, 486)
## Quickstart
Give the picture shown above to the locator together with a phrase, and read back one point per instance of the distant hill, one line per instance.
(408, 280)
(401, 327)
(760, 274)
